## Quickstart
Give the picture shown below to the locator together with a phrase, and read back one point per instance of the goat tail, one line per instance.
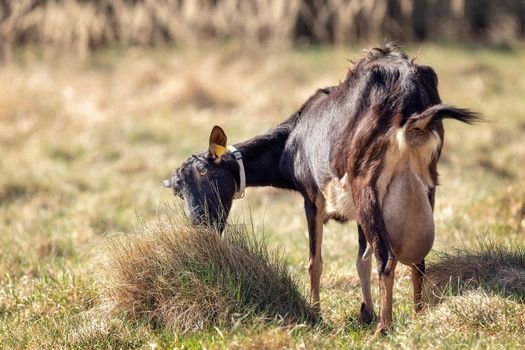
(418, 130)
(440, 112)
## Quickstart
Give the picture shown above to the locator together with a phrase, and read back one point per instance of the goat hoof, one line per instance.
(418, 308)
(381, 330)
(316, 316)
(366, 316)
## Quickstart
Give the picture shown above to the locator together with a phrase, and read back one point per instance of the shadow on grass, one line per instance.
(495, 268)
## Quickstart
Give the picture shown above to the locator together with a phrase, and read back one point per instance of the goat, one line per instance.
(364, 150)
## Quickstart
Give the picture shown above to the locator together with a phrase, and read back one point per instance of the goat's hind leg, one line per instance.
(370, 218)
(418, 271)
(364, 270)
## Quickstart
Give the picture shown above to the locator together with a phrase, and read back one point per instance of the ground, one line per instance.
(85, 144)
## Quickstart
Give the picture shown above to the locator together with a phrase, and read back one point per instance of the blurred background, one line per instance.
(101, 100)
(82, 26)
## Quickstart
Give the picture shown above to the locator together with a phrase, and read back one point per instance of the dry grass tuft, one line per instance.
(185, 279)
(476, 310)
(492, 267)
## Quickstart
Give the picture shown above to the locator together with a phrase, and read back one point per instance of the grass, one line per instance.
(490, 266)
(85, 144)
(186, 279)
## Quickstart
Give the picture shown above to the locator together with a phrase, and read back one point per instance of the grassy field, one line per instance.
(84, 145)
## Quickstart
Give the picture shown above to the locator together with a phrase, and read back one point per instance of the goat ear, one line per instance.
(217, 146)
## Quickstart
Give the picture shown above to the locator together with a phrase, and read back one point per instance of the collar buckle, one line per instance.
(242, 174)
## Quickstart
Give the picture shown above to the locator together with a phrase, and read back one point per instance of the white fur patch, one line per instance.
(339, 199)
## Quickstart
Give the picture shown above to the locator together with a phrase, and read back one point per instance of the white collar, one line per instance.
(242, 174)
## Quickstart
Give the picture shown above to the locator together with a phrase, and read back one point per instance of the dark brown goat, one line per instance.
(365, 150)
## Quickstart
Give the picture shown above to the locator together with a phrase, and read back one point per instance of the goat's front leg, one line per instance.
(418, 271)
(314, 217)
(370, 218)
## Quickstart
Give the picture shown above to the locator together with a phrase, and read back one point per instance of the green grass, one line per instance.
(85, 144)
